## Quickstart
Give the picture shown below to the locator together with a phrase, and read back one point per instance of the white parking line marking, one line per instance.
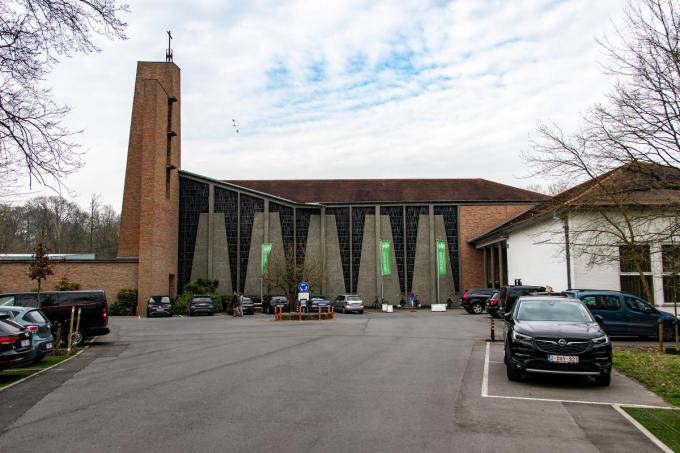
(485, 377)
(642, 429)
(485, 392)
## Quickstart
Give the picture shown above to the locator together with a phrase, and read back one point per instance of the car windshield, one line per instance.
(354, 298)
(279, 298)
(553, 310)
(203, 299)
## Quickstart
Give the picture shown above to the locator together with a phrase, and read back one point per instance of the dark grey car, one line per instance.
(201, 304)
(36, 323)
(159, 306)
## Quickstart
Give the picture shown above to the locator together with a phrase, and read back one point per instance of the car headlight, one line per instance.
(600, 340)
(521, 337)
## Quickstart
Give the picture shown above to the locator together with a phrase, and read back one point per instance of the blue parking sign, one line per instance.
(303, 287)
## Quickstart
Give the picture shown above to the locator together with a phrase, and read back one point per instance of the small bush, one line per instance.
(181, 303)
(199, 287)
(126, 304)
(67, 285)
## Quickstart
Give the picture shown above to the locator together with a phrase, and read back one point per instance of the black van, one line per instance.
(57, 305)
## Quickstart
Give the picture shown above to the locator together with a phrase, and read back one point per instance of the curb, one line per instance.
(8, 386)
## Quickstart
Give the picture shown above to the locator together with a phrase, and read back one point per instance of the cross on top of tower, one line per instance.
(168, 52)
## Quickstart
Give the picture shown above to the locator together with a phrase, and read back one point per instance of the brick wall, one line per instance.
(475, 220)
(110, 276)
(150, 205)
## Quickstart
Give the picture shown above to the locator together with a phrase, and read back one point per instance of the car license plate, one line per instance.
(25, 343)
(48, 346)
(563, 358)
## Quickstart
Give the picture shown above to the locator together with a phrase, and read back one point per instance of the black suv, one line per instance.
(508, 296)
(474, 299)
(556, 335)
(56, 305)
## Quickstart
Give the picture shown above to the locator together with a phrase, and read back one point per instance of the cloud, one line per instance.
(347, 89)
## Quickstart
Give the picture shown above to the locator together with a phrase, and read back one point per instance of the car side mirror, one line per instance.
(599, 319)
(508, 316)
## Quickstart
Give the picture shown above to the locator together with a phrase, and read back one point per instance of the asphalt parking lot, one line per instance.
(397, 382)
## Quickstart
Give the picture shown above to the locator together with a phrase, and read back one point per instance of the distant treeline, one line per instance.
(62, 225)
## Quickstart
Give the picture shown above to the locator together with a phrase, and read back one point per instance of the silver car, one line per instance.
(38, 324)
(348, 303)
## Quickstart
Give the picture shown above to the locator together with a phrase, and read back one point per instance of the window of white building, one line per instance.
(632, 260)
(670, 258)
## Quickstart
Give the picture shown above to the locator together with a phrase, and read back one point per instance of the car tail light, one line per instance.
(105, 315)
(32, 329)
(465, 295)
(8, 339)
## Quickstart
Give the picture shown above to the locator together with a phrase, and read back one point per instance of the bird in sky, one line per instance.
(233, 123)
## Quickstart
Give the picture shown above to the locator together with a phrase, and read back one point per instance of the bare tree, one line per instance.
(33, 34)
(93, 219)
(627, 149)
(285, 271)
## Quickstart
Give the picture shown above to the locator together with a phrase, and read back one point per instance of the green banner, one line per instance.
(441, 257)
(266, 250)
(385, 258)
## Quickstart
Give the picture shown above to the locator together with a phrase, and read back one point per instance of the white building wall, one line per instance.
(536, 256)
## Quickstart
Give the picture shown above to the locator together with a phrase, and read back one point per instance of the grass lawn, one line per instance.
(14, 374)
(664, 424)
(660, 373)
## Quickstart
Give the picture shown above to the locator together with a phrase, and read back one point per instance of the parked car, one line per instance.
(626, 315)
(247, 306)
(16, 348)
(492, 303)
(56, 305)
(276, 302)
(36, 323)
(509, 295)
(347, 303)
(201, 304)
(159, 306)
(473, 300)
(318, 303)
(556, 335)
(257, 303)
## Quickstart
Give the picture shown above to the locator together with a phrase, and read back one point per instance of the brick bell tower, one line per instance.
(149, 216)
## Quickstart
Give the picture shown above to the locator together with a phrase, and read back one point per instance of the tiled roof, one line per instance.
(634, 185)
(391, 190)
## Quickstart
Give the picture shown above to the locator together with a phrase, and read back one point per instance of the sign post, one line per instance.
(441, 262)
(385, 265)
(303, 295)
(266, 250)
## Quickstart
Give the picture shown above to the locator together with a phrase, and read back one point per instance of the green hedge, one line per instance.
(126, 304)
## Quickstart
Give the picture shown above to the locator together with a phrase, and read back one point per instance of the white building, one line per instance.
(577, 239)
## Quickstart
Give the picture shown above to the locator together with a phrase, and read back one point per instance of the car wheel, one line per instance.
(361, 312)
(477, 309)
(148, 315)
(212, 313)
(39, 359)
(513, 373)
(669, 333)
(604, 379)
(78, 338)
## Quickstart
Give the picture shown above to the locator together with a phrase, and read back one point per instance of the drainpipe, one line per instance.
(567, 249)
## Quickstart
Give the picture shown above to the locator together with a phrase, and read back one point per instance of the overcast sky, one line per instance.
(351, 89)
